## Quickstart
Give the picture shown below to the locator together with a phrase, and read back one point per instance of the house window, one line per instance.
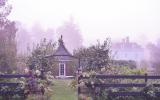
(62, 69)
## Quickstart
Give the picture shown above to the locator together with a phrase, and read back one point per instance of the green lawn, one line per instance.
(62, 90)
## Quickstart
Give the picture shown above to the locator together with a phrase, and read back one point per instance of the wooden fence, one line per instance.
(8, 93)
(145, 77)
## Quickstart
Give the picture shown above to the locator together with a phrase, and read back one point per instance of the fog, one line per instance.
(96, 20)
(27, 38)
(139, 19)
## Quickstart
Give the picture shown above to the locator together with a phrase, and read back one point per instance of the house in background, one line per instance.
(64, 67)
(127, 50)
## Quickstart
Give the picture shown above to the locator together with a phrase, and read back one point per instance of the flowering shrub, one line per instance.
(39, 86)
(16, 92)
(27, 86)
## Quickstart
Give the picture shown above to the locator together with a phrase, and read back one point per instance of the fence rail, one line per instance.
(9, 84)
(122, 85)
(14, 75)
(11, 92)
(123, 76)
(131, 94)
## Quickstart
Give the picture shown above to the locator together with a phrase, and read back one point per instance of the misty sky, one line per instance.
(97, 19)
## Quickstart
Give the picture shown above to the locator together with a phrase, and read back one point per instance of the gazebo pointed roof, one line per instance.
(61, 50)
(62, 54)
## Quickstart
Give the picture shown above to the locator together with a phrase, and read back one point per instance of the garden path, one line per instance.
(62, 90)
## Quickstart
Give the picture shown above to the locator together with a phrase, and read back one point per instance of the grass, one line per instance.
(59, 91)
(62, 90)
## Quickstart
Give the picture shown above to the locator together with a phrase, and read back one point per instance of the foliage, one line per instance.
(125, 70)
(119, 63)
(95, 57)
(19, 88)
(39, 88)
(38, 60)
(41, 67)
(73, 84)
(7, 39)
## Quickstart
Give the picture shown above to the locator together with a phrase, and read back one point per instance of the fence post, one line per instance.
(78, 89)
(146, 77)
(78, 77)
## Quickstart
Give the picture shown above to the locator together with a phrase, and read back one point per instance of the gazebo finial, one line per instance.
(61, 37)
(61, 40)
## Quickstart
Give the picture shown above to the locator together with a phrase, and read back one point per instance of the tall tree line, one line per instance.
(7, 39)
